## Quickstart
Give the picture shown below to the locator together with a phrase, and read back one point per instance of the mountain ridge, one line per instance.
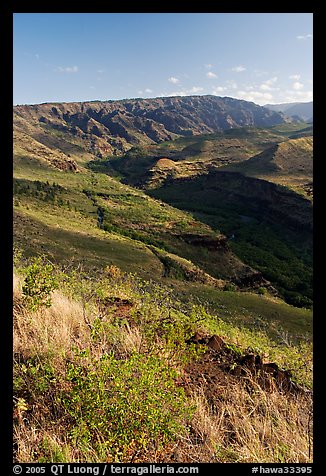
(113, 127)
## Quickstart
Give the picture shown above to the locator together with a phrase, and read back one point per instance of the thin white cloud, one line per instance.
(219, 89)
(67, 69)
(265, 87)
(297, 86)
(211, 75)
(195, 89)
(238, 69)
(254, 96)
(100, 71)
(231, 84)
(268, 85)
(301, 96)
(296, 77)
(271, 81)
(146, 91)
(173, 80)
(304, 37)
(186, 92)
(208, 66)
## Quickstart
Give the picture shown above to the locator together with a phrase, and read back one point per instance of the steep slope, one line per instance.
(149, 166)
(157, 378)
(268, 226)
(75, 215)
(289, 163)
(113, 127)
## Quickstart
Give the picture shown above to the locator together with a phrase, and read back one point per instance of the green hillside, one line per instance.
(94, 217)
(193, 156)
(76, 207)
(289, 163)
(150, 321)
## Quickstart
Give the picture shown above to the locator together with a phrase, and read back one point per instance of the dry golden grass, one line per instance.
(57, 327)
(247, 427)
(65, 324)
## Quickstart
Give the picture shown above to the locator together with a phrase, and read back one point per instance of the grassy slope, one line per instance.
(251, 310)
(66, 355)
(289, 163)
(78, 359)
(126, 213)
(66, 226)
(55, 233)
(64, 244)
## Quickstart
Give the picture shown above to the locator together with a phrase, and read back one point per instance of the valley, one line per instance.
(240, 199)
(253, 185)
(165, 222)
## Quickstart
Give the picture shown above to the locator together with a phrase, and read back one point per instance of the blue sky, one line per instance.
(259, 57)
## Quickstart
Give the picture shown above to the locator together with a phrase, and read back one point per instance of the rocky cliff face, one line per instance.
(113, 127)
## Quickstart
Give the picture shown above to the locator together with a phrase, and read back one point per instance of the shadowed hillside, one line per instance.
(162, 299)
(58, 144)
(268, 226)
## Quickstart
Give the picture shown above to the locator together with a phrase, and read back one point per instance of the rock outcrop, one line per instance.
(221, 360)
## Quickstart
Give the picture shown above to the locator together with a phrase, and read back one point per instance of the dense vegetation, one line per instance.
(135, 309)
(283, 255)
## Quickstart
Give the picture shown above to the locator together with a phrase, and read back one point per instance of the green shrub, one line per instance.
(229, 287)
(172, 269)
(262, 290)
(124, 404)
(34, 377)
(38, 285)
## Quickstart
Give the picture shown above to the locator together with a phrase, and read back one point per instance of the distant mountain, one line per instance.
(300, 110)
(281, 107)
(113, 127)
